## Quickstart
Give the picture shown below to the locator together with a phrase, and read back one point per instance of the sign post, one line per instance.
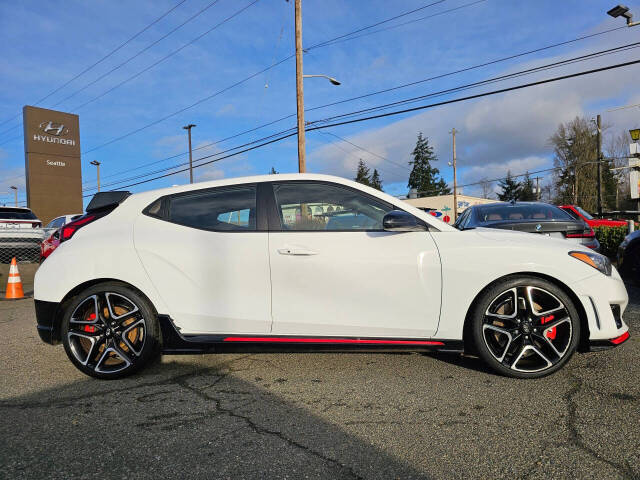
(52, 162)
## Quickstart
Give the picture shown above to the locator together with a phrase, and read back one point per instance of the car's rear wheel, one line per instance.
(110, 331)
(525, 327)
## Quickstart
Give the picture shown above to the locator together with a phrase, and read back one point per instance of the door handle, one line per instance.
(296, 251)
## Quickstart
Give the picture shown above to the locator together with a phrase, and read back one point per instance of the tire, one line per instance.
(110, 331)
(525, 327)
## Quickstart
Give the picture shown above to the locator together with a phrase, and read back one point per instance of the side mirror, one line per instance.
(399, 221)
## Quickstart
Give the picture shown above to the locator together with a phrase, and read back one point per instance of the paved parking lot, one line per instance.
(315, 415)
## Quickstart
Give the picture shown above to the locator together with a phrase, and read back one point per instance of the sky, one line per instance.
(187, 67)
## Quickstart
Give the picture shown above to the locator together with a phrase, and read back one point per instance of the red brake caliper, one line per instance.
(90, 328)
(551, 334)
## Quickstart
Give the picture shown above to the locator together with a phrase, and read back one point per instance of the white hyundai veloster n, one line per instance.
(307, 262)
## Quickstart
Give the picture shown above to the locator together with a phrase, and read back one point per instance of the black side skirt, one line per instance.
(174, 343)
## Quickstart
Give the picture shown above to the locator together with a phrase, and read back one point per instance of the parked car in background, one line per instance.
(50, 243)
(237, 265)
(531, 217)
(581, 214)
(629, 256)
(60, 221)
(20, 234)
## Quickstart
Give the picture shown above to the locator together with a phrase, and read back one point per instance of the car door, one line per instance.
(335, 272)
(206, 254)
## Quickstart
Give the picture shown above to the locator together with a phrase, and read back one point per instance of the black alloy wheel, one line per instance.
(110, 331)
(526, 327)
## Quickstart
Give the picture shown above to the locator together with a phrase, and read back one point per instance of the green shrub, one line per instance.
(610, 238)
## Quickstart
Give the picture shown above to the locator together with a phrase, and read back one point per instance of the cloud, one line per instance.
(495, 133)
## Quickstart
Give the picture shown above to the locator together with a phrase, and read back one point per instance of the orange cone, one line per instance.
(14, 284)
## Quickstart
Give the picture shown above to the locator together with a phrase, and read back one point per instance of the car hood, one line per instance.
(524, 239)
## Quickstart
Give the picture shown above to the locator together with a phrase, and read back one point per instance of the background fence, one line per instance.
(24, 244)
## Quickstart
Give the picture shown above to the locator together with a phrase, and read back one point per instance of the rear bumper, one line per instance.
(47, 321)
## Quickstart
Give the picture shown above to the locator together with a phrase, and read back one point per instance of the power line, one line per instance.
(479, 95)
(244, 80)
(103, 58)
(510, 57)
(422, 107)
(470, 4)
(365, 150)
(140, 52)
(500, 78)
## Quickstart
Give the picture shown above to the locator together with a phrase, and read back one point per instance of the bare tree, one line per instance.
(487, 187)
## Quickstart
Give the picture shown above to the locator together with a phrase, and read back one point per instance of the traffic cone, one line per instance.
(14, 283)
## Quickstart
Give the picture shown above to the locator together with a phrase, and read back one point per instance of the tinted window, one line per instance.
(571, 212)
(537, 211)
(321, 206)
(584, 213)
(17, 214)
(227, 209)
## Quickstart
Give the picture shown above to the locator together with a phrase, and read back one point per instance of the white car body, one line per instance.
(356, 284)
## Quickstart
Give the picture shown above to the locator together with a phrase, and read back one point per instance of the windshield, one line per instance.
(583, 213)
(16, 214)
(532, 212)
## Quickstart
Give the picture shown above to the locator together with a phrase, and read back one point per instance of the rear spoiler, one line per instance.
(104, 200)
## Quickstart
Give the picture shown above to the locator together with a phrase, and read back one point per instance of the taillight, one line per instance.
(585, 234)
(68, 230)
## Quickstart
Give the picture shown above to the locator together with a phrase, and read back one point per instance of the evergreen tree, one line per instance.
(527, 193)
(424, 177)
(273, 171)
(510, 188)
(376, 182)
(362, 175)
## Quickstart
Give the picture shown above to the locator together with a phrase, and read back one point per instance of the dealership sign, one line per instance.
(52, 162)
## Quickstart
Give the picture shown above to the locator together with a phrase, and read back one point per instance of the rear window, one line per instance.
(219, 209)
(501, 213)
(16, 214)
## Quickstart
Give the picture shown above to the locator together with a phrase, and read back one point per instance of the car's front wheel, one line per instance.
(525, 327)
(110, 331)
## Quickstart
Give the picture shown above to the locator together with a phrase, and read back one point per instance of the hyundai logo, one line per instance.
(538, 227)
(56, 129)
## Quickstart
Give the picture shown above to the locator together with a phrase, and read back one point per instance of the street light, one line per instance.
(635, 134)
(15, 194)
(188, 129)
(331, 79)
(97, 165)
(623, 11)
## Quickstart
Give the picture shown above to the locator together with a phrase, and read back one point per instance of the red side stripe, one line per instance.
(331, 340)
(620, 339)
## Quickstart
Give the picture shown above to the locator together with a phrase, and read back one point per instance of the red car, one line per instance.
(577, 212)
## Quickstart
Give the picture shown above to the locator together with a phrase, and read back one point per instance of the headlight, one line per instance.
(595, 260)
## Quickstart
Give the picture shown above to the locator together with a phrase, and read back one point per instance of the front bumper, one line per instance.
(599, 345)
(604, 300)
(48, 321)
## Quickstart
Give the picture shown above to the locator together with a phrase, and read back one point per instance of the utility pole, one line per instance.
(599, 140)
(538, 189)
(97, 165)
(302, 164)
(188, 129)
(455, 179)
(15, 194)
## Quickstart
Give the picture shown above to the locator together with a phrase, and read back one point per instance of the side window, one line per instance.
(462, 221)
(224, 209)
(305, 206)
(572, 213)
(56, 222)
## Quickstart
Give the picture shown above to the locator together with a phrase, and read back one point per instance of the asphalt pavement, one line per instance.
(315, 415)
